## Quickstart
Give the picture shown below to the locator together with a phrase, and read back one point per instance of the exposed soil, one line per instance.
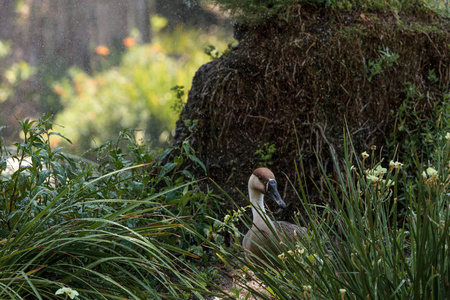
(229, 283)
(297, 86)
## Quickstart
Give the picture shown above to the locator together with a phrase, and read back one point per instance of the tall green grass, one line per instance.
(364, 244)
(129, 227)
(107, 230)
(100, 258)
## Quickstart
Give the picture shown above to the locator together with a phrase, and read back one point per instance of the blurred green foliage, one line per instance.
(13, 76)
(5, 49)
(137, 92)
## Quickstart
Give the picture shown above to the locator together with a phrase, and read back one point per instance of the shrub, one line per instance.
(135, 93)
(107, 230)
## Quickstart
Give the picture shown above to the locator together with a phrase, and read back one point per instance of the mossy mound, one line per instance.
(309, 78)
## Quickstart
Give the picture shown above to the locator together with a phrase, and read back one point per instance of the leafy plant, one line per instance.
(179, 94)
(265, 154)
(38, 174)
(192, 125)
(237, 291)
(211, 51)
(417, 133)
(103, 231)
(386, 60)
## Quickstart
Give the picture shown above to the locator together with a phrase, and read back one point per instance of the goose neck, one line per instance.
(257, 200)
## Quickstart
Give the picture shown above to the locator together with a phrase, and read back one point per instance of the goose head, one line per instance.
(262, 182)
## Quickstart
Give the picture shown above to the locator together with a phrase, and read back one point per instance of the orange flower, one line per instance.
(58, 89)
(102, 50)
(156, 47)
(101, 80)
(129, 42)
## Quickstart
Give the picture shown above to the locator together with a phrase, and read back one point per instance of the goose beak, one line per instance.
(272, 193)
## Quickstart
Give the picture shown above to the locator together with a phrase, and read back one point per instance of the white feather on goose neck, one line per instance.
(256, 191)
(257, 200)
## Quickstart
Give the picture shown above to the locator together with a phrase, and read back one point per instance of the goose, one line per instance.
(262, 183)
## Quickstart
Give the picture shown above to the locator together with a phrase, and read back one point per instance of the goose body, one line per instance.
(262, 183)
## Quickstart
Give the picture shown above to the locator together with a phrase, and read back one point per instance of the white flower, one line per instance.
(379, 171)
(226, 218)
(432, 172)
(376, 174)
(447, 136)
(388, 182)
(365, 155)
(68, 291)
(395, 165)
(374, 179)
(391, 164)
(300, 250)
(430, 175)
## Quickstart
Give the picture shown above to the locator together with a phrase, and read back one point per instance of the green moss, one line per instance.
(257, 11)
(356, 31)
(313, 77)
(418, 27)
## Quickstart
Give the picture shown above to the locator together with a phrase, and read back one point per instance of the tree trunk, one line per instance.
(76, 44)
(111, 25)
(7, 19)
(142, 12)
(298, 86)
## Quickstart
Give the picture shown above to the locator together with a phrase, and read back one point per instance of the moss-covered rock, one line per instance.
(309, 78)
